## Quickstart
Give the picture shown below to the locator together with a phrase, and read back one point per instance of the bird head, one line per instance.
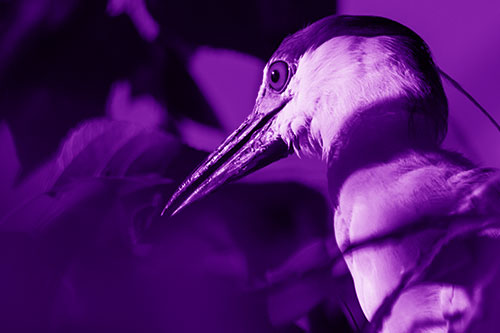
(332, 87)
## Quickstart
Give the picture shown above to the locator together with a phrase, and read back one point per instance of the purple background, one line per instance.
(105, 108)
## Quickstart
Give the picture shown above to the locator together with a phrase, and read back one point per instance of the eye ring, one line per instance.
(278, 75)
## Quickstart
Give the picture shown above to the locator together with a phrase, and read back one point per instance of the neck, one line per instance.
(367, 142)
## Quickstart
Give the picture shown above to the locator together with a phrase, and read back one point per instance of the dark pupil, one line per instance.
(275, 76)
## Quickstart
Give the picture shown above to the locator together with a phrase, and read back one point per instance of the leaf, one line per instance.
(215, 72)
(145, 24)
(199, 136)
(10, 166)
(229, 80)
(116, 149)
(89, 141)
(141, 110)
(107, 148)
(88, 149)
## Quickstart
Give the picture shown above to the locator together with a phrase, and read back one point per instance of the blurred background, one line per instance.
(105, 106)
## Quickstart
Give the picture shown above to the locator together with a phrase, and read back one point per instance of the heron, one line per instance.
(412, 220)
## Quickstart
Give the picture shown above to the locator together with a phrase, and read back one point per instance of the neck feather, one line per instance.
(376, 137)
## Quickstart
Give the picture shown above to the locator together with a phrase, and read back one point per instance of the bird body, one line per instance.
(363, 94)
(399, 194)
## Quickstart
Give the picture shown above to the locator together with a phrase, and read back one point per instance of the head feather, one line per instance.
(344, 64)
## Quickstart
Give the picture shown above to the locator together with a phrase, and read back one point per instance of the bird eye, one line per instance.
(278, 75)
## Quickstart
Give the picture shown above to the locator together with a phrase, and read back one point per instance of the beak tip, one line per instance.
(164, 210)
(170, 209)
(176, 211)
(167, 210)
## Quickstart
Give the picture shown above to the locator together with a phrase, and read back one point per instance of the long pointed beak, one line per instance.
(252, 146)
